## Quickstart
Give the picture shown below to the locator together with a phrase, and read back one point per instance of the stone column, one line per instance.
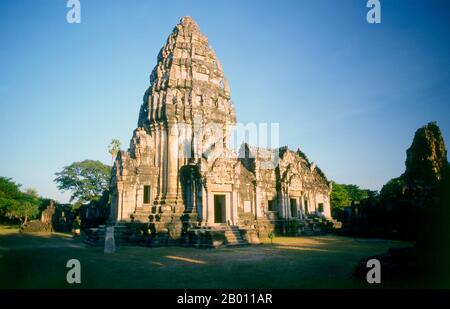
(119, 201)
(280, 205)
(300, 207)
(308, 202)
(204, 207)
(288, 206)
(210, 208)
(187, 146)
(172, 162)
(258, 202)
(234, 207)
(181, 159)
(160, 150)
(283, 204)
(156, 145)
(139, 195)
(164, 158)
(315, 202)
(181, 144)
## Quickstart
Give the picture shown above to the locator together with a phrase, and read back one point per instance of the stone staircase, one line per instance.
(211, 237)
(233, 237)
(96, 236)
(315, 225)
(308, 230)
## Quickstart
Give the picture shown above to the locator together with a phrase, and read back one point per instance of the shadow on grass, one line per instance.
(39, 261)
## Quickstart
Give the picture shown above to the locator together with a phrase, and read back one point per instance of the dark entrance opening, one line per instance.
(293, 207)
(219, 208)
(320, 207)
(271, 205)
(147, 194)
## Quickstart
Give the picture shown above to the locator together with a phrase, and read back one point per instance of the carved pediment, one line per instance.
(222, 170)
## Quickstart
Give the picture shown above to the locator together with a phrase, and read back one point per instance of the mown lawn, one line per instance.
(39, 261)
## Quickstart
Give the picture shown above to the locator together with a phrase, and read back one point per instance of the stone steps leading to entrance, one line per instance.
(308, 231)
(233, 237)
(316, 225)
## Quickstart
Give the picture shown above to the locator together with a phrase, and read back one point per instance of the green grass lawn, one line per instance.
(39, 261)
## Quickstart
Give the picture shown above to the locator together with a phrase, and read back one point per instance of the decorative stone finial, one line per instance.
(188, 21)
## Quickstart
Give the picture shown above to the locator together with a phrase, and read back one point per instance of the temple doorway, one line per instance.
(293, 203)
(219, 208)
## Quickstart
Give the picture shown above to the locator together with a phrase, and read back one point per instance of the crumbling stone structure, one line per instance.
(180, 174)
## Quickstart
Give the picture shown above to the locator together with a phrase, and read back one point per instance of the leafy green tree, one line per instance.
(114, 148)
(339, 196)
(392, 189)
(8, 189)
(86, 179)
(23, 210)
(343, 195)
(15, 204)
(355, 193)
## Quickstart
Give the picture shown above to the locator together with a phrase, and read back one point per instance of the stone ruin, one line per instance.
(54, 218)
(180, 176)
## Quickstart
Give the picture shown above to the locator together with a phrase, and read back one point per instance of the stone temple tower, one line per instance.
(179, 174)
(188, 92)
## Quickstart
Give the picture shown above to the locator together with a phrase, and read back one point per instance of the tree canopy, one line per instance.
(343, 195)
(15, 204)
(86, 180)
(392, 189)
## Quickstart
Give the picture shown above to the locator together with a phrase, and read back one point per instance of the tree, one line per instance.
(393, 189)
(15, 204)
(23, 210)
(355, 193)
(339, 196)
(87, 180)
(114, 148)
(9, 189)
(343, 195)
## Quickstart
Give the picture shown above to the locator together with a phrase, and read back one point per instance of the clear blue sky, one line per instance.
(348, 93)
